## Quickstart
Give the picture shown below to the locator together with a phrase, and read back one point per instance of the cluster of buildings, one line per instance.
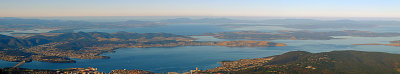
(87, 70)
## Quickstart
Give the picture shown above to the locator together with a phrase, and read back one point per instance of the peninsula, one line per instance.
(294, 62)
(393, 43)
(60, 48)
(297, 35)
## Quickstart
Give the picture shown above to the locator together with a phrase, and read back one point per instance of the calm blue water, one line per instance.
(381, 28)
(177, 59)
(26, 31)
(183, 59)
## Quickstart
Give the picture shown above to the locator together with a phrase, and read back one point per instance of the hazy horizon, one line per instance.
(158, 18)
(217, 8)
(199, 36)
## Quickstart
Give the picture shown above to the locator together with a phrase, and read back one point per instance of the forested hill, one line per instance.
(335, 62)
(12, 42)
(90, 45)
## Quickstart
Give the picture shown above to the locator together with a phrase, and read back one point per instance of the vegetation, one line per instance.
(298, 35)
(59, 48)
(68, 71)
(335, 62)
(7, 24)
(393, 43)
(295, 62)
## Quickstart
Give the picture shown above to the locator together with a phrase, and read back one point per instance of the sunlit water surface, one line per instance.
(183, 59)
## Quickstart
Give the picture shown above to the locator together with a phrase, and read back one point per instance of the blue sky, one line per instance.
(276, 8)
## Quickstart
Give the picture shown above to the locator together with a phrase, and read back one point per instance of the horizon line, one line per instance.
(210, 16)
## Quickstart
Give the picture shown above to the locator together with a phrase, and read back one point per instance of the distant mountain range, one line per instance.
(204, 20)
(10, 23)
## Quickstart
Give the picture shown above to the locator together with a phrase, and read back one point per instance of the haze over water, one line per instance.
(183, 59)
(86, 29)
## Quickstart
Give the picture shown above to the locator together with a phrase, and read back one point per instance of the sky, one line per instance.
(275, 8)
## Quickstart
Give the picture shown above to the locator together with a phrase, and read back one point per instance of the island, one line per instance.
(90, 45)
(297, 35)
(393, 43)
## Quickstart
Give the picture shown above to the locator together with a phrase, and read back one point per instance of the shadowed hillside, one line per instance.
(335, 62)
